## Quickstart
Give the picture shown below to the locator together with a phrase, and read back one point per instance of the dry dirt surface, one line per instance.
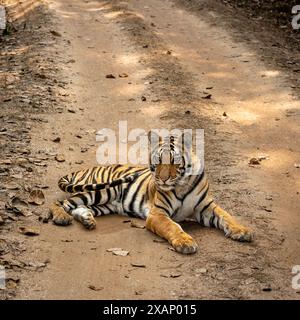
(186, 70)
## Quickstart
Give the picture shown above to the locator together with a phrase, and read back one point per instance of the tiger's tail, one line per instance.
(65, 184)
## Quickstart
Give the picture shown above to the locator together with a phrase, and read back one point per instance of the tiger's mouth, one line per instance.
(171, 185)
(165, 186)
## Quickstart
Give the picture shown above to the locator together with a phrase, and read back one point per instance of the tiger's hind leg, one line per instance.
(83, 207)
(86, 215)
(63, 212)
(211, 215)
(82, 214)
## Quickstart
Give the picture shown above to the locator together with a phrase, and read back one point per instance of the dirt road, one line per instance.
(174, 60)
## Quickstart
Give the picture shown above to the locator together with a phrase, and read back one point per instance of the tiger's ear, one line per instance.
(154, 140)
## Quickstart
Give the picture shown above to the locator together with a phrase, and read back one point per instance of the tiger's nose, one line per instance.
(164, 179)
(164, 173)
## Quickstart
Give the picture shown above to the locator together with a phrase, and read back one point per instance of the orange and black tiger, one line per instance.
(163, 194)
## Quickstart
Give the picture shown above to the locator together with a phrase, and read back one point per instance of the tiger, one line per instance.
(164, 193)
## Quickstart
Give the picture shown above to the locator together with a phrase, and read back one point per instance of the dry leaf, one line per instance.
(29, 231)
(118, 251)
(12, 186)
(18, 206)
(17, 202)
(11, 283)
(121, 253)
(173, 274)
(6, 161)
(138, 265)
(37, 265)
(55, 33)
(60, 158)
(135, 224)
(113, 249)
(36, 197)
(257, 160)
(138, 293)
(92, 287)
(254, 161)
(201, 270)
(206, 96)
(57, 140)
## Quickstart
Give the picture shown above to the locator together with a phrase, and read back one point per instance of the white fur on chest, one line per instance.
(186, 209)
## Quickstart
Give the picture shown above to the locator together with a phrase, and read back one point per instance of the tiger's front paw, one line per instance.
(240, 233)
(185, 244)
(60, 216)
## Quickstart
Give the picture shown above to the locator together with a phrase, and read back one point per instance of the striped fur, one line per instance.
(163, 194)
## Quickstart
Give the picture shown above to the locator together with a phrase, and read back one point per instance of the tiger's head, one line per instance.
(170, 159)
